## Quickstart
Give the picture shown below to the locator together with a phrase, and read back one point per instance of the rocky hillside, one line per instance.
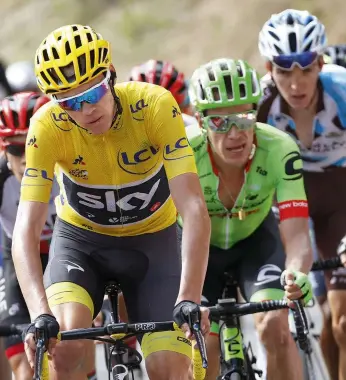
(187, 32)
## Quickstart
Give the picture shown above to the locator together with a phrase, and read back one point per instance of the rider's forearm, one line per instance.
(27, 262)
(299, 253)
(194, 251)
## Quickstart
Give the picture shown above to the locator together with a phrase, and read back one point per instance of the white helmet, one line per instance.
(292, 32)
(21, 76)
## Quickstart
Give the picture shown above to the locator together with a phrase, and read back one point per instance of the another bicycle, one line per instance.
(237, 360)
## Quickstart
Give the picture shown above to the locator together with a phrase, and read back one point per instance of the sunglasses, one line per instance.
(224, 123)
(92, 96)
(303, 60)
(15, 149)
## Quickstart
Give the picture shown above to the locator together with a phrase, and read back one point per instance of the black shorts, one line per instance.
(147, 268)
(256, 263)
(13, 309)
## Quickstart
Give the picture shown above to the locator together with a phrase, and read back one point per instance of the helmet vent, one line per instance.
(82, 65)
(223, 66)
(92, 58)
(242, 90)
(216, 94)
(67, 48)
(274, 35)
(228, 85)
(308, 46)
(292, 40)
(44, 76)
(211, 74)
(290, 19)
(78, 42)
(45, 55)
(55, 53)
(201, 92)
(307, 34)
(278, 49)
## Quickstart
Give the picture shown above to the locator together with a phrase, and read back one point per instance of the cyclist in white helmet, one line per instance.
(21, 76)
(310, 104)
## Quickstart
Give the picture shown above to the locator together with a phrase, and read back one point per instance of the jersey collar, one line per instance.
(248, 164)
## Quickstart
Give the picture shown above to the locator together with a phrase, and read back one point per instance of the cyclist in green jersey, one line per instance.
(241, 165)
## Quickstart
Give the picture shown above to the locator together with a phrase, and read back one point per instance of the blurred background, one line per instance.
(185, 32)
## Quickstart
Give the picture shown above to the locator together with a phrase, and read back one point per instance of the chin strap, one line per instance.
(119, 108)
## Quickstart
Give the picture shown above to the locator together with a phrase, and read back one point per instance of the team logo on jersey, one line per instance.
(293, 166)
(178, 150)
(79, 173)
(135, 108)
(118, 205)
(175, 112)
(34, 173)
(261, 171)
(32, 142)
(139, 162)
(62, 121)
(78, 161)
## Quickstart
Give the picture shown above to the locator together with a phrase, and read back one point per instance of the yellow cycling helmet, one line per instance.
(70, 56)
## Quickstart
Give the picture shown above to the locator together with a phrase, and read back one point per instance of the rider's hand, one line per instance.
(342, 251)
(186, 312)
(297, 286)
(52, 329)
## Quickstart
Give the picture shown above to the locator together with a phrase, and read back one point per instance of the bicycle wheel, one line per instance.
(313, 363)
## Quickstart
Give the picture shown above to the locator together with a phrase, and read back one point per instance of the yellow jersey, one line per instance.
(115, 183)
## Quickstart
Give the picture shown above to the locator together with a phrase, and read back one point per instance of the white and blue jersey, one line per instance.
(328, 148)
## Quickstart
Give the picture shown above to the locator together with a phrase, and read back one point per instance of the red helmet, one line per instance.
(164, 74)
(16, 111)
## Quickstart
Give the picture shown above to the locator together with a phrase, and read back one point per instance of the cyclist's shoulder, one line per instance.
(272, 139)
(196, 137)
(139, 95)
(333, 78)
(52, 119)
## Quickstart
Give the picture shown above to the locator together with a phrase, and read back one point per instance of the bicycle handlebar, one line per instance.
(115, 328)
(228, 307)
(333, 263)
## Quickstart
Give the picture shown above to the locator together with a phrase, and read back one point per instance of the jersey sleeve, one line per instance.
(290, 191)
(169, 135)
(41, 156)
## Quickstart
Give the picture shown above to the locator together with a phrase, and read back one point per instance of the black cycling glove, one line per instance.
(50, 325)
(186, 312)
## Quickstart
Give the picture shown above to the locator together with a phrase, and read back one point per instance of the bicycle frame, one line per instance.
(117, 352)
(231, 336)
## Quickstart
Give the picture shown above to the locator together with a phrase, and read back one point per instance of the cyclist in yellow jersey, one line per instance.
(121, 157)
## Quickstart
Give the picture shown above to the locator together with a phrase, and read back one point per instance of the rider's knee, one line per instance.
(20, 367)
(273, 330)
(339, 330)
(70, 356)
(168, 365)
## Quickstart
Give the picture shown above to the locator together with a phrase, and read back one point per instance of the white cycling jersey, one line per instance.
(328, 148)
